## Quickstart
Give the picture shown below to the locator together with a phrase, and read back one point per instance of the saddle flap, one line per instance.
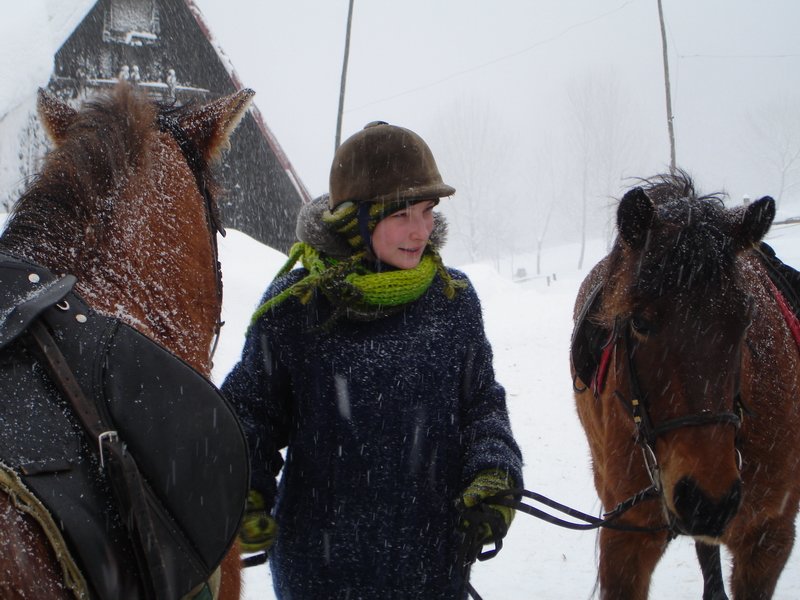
(588, 339)
(186, 439)
(25, 292)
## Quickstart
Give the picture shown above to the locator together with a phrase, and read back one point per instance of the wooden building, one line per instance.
(165, 47)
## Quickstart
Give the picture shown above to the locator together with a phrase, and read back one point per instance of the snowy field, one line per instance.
(529, 325)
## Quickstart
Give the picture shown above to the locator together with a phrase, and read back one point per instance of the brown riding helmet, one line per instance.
(384, 163)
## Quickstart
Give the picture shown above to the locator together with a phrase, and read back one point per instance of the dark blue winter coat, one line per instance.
(385, 423)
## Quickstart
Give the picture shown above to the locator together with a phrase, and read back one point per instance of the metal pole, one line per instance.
(670, 128)
(344, 76)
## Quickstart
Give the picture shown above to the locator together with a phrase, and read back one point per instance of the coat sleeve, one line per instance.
(488, 442)
(259, 387)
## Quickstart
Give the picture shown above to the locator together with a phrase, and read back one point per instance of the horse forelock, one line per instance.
(689, 244)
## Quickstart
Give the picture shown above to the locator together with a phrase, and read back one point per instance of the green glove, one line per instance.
(258, 530)
(480, 518)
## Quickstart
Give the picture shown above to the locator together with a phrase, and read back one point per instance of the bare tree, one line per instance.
(581, 104)
(605, 146)
(474, 154)
(775, 141)
(546, 177)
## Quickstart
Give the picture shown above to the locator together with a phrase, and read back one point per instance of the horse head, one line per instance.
(686, 372)
(676, 298)
(129, 184)
(126, 204)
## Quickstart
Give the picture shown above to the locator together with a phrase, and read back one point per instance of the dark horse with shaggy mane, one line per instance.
(687, 379)
(123, 218)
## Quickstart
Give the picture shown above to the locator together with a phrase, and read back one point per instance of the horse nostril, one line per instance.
(700, 515)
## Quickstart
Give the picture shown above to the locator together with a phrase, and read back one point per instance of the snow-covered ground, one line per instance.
(529, 325)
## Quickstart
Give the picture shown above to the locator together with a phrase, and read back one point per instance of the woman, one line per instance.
(371, 366)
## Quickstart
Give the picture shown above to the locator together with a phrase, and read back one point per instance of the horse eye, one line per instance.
(640, 325)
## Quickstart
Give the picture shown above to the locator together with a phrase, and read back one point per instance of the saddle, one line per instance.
(139, 459)
(784, 277)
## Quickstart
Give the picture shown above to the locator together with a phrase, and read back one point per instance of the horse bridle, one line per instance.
(194, 159)
(646, 432)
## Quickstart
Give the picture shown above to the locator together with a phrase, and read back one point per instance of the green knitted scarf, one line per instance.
(356, 290)
(349, 282)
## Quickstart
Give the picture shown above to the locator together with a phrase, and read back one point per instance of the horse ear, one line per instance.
(634, 217)
(211, 125)
(56, 116)
(756, 221)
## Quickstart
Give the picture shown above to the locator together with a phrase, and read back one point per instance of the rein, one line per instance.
(589, 522)
(197, 164)
(513, 499)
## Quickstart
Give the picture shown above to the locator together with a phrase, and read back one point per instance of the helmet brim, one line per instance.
(423, 192)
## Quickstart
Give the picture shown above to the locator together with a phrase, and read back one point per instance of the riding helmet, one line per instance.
(384, 163)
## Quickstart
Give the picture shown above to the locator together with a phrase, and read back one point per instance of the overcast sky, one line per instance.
(414, 62)
(493, 87)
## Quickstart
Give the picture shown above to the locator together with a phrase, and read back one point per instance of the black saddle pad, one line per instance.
(588, 338)
(785, 277)
(181, 431)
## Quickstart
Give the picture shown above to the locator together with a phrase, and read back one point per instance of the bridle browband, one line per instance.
(194, 159)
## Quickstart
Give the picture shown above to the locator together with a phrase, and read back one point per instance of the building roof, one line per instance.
(51, 52)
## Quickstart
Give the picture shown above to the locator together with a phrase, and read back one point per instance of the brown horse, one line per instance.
(687, 381)
(125, 203)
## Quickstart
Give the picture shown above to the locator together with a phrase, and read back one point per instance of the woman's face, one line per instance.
(400, 238)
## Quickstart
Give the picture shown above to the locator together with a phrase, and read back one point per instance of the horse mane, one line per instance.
(68, 203)
(689, 243)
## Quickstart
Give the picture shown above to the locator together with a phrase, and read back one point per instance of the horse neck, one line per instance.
(159, 273)
(150, 262)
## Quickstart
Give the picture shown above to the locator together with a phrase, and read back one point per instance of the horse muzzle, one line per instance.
(697, 514)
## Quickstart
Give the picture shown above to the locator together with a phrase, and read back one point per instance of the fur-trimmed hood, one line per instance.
(312, 230)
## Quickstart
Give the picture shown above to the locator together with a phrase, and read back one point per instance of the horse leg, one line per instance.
(711, 566)
(231, 584)
(28, 566)
(759, 557)
(627, 562)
